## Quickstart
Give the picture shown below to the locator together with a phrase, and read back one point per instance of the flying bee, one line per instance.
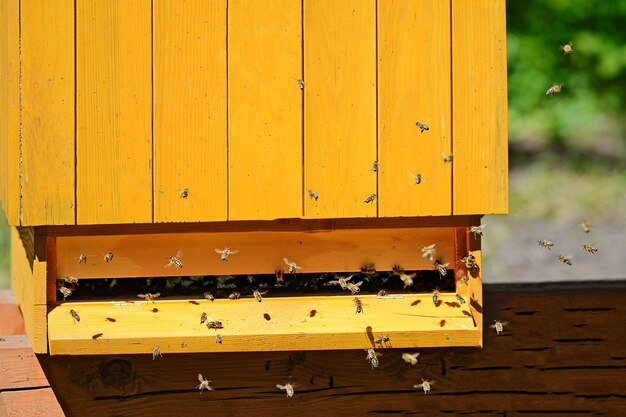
(202, 318)
(567, 48)
(422, 127)
(370, 198)
(460, 299)
(354, 288)
(590, 248)
(416, 177)
(425, 385)
(82, 259)
(75, 315)
(149, 297)
(499, 326)
(407, 279)
(65, 291)
(428, 252)
(173, 260)
(359, 305)
(209, 296)
(375, 166)
(381, 339)
(235, 295)
(156, 352)
(301, 84)
(565, 259)
(214, 324)
(545, 244)
(108, 257)
(556, 88)
(225, 253)
(292, 265)
(218, 339)
(368, 269)
(288, 387)
(280, 276)
(441, 267)
(410, 358)
(585, 225)
(372, 356)
(447, 158)
(435, 296)
(464, 279)
(184, 193)
(477, 230)
(313, 195)
(204, 384)
(71, 280)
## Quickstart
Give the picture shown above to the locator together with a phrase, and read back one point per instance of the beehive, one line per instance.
(111, 109)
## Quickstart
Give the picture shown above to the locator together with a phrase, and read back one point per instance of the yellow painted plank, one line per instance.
(190, 111)
(414, 85)
(265, 109)
(176, 326)
(340, 107)
(4, 140)
(480, 144)
(47, 112)
(114, 111)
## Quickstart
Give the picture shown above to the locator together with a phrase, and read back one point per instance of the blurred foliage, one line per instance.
(582, 127)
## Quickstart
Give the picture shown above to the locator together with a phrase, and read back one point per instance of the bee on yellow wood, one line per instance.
(375, 166)
(97, 336)
(410, 358)
(288, 387)
(556, 88)
(441, 267)
(149, 297)
(202, 318)
(108, 257)
(370, 198)
(82, 259)
(280, 276)
(464, 279)
(214, 324)
(235, 295)
(499, 326)
(428, 252)
(218, 339)
(422, 127)
(460, 299)
(208, 296)
(156, 352)
(565, 259)
(292, 265)
(447, 158)
(590, 248)
(470, 262)
(368, 269)
(301, 84)
(258, 295)
(225, 253)
(567, 48)
(359, 305)
(381, 293)
(75, 315)
(585, 225)
(183, 344)
(417, 177)
(313, 195)
(372, 357)
(425, 385)
(184, 193)
(477, 230)
(65, 291)
(545, 244)
(381, 340)
(435, 296)
(71, 280)
(204, 384)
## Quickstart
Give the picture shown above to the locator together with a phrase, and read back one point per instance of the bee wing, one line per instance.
(179, 254)
(358, 284)
(446, 264)
(348, 278)
(280, 386)
(493, 326)
(141, 295)
(287, 261)
(504, 323)
(220, 251)
(157, 295)
(418, 386)
(167, 265)
(200, 378)
(232, 252)
(210, 388)
(378, 354)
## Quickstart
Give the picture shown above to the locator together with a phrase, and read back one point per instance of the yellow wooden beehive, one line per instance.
(146, 128)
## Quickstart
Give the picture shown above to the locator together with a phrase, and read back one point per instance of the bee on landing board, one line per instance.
(235, 295)
(82, 259)
(156, 352)
(204, 384)
(410, 358)
(149, 297)
(301, 85)
(288, 387)
(436, 296)
(370, 198)
(225, 253)
(313, 195)
(447, 158)
(381, 340)
(108, 257)
(422, 127)
(292, 265)
(184, 193)
(425, 385)
(258, 295)
(359, 305)
(202, 318)
(416, 177)
(545, 244)
(209, 296)
(75, 315)
(460, 299)
(375, 166)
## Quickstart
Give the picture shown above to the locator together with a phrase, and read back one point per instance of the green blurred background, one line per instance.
(567, 152)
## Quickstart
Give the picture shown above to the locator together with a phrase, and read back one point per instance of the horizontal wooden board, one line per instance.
(36, 402)
(335, 325)
(343, 250)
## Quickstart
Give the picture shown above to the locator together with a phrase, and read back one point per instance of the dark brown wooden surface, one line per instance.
(563, 353)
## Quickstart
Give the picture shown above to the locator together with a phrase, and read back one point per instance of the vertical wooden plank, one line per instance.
(4, 140)
(190, 110)
(114, 111)
(414, 85)
(340, 107)
(47, 34)
(265, 109)
(479, 107)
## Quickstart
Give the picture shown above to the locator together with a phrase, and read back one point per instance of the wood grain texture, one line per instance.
(114, 111)
(265, 109)
(47, 151)
(560, 355)
(414, 78)
(20, 368)
(480, 145)
(35, 402)
(340, 107)
(190, 138)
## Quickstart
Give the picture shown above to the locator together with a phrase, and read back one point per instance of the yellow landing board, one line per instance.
(340, 107)
(414, 86)
(114, 111)
(265, 109)
(190, 111)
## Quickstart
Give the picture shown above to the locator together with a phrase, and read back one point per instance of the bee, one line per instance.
(204, 384)
(585, 225)
(75, 315)
(407, 279)
(173, 260)
(209, 296)
(565, 259)
(499, 326)
(354, 288)
(288, 387)
(410, 358)
(82, 259)
(370, 198)
(368, 269)
(381, 293)
(428, 252)
(235, 295)
(441, 268)
(545, 244)
(477, 230)
(156, 352)
(214, 324)
(71, 280)
(359, 305)
(292, 265)
(470, 262)
(556, 88)
(202, 318)
(184, 193)
(435, 296)
(225, 253)
(301, 84)
(280, 276)
(110, 319)
(96, 336)
(425, 385)
(108, 257)
(460, 299)
(149, 297)
(375, 166)
(257, 295)
(372, 356)
(381, 339)
(447, 158)
(422, 127)
(183, 345)
(590, 248)
(416, 177)
(218, 339)
(464, 279)
(313, 195)
(567, 48)
(65, 291)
